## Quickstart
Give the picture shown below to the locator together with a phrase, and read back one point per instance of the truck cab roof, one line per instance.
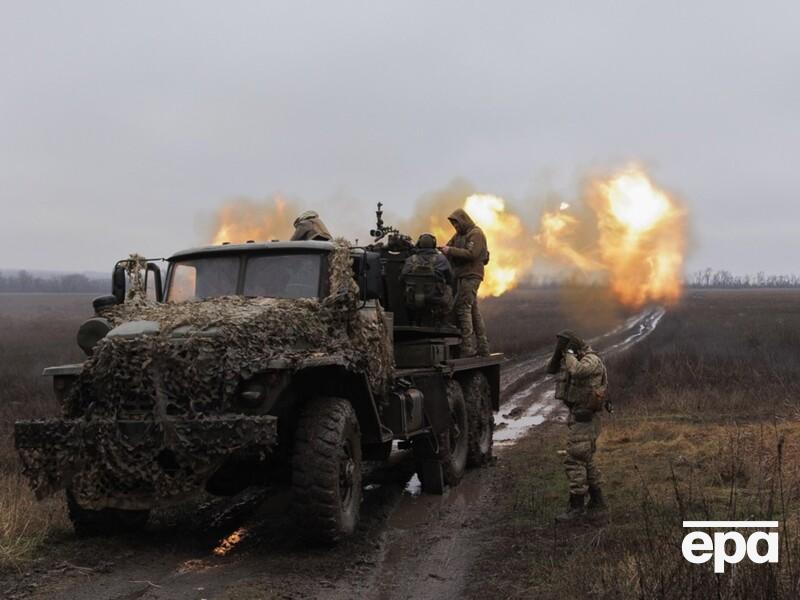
(307, 246)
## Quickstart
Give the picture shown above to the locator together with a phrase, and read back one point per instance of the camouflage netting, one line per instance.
(192, 366)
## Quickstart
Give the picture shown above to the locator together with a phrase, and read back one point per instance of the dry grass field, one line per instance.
(524, 320)
(706, 428)
(36, 330)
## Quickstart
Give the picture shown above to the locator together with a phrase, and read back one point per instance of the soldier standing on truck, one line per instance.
(428, 262)
(308, 226)
(581, 384)
(468, 253)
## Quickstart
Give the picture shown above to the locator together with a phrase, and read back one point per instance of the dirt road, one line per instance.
(408, 545)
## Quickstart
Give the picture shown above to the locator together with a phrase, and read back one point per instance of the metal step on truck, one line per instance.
(258, 363)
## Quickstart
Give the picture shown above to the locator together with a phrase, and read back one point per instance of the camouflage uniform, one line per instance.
(440, 302)
(309, 226)
(581, 385)
(468, 253)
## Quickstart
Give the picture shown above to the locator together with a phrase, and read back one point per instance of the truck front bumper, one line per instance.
(134, 464)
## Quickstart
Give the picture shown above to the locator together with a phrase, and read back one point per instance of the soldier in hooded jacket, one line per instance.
(308, 226)
(581, 384)
(468, 253)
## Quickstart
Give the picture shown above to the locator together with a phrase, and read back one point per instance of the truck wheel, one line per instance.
(326, 469)
(106, 521)
(442, 462)
(455, 460)
(478, 397)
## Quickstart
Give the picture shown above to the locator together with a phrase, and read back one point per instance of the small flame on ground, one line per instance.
(229, 542)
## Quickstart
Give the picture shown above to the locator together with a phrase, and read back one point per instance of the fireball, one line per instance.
(639, 238)
(556, 229)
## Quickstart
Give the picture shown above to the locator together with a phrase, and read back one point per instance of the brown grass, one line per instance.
(36, 331)
(528, 319)
(706, 428)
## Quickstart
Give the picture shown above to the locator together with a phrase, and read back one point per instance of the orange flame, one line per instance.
(640, 238)
(243, 220)
(506, 237)
(555, 227)
(230, 541)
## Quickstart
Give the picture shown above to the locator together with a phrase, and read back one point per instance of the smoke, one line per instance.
(432, 209)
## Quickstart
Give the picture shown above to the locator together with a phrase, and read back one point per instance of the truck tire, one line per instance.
(106, 521)
(453, 447)
(478, 397)
(458, 436)
(326, 469)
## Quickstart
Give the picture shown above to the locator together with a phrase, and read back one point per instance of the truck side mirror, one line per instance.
(119, 282)
(152, 283)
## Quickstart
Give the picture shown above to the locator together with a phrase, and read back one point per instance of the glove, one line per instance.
(608, 406)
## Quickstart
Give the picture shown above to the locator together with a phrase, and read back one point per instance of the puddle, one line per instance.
(413, 486)
(510, 425)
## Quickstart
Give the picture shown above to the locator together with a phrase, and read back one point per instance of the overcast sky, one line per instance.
(124, 125)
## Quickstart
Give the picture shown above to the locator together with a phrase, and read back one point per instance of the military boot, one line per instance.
(574, 511)
(597, 503)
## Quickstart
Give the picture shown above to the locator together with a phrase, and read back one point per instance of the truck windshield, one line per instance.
(291, 275)
(206, 277)
(283, 275)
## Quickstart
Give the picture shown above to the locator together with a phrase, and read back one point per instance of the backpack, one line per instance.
(424, 285)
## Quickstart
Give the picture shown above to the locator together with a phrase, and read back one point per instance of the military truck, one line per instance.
(258, 363)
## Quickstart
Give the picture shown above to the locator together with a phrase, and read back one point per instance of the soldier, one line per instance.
(431, 264)
(581, 385)
(308, 226)
(468, 254)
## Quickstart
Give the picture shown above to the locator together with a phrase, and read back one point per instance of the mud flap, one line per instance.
(431, 477)
(429, 465)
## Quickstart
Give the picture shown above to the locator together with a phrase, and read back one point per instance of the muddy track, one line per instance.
(407, 545)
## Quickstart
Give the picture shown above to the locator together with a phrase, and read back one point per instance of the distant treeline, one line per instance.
(708, 278)
(23, 281)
